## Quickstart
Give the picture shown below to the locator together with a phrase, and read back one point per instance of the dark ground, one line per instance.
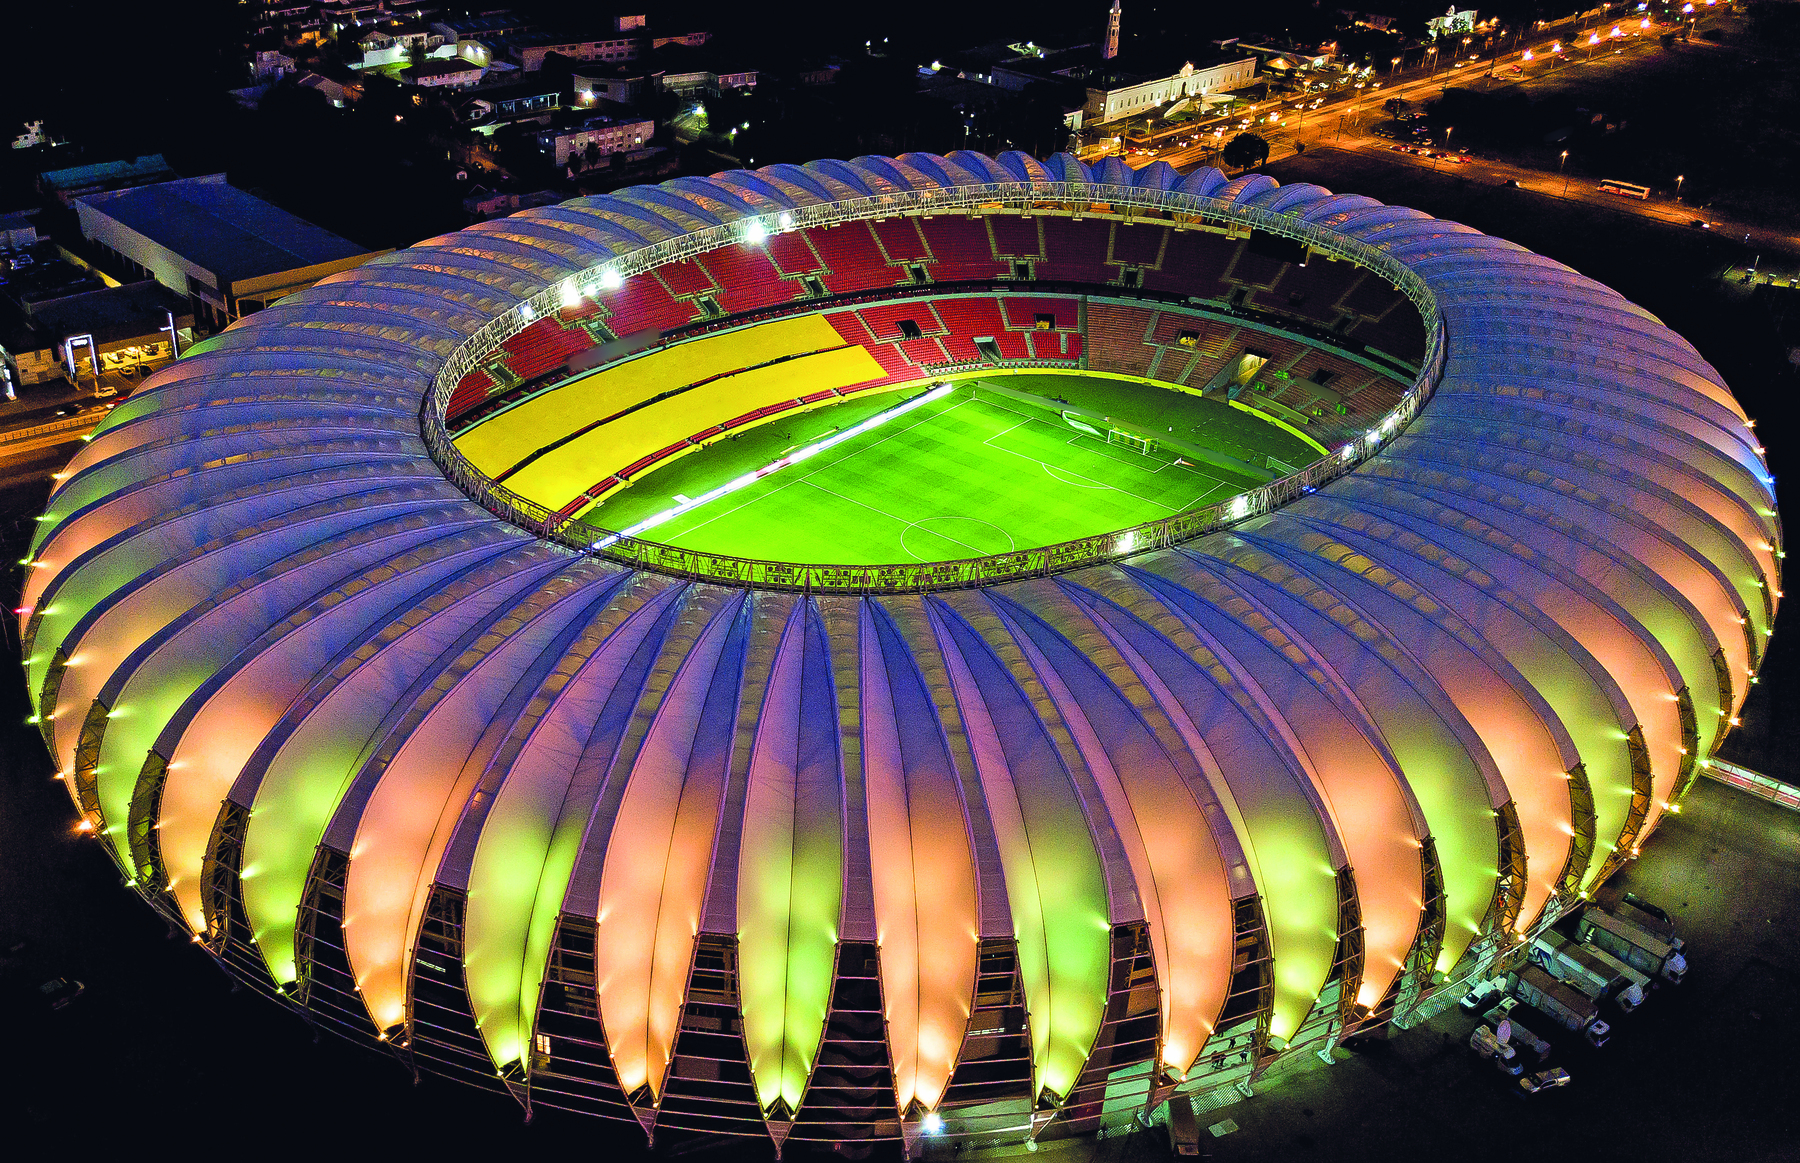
(160, 1044)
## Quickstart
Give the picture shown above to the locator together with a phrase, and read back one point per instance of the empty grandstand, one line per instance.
(438, 647)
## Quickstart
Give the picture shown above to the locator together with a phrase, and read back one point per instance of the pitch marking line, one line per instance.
(670, 539)
(903, 522)
(1051, 471)
(1011, 543)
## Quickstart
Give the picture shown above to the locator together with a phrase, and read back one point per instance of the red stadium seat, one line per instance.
(961, 250)
(899, 240)
(1015, 237)
(1075, 252)
(748, 279)
(644, 302)
(1115, 337)
(1193, 263)
(792, 254)
(1139, 245)
(543, 346)
(686, 279)
(852, 260)
(1022, 312)
(470, 391)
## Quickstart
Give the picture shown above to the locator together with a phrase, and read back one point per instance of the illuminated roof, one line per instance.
(550, 820)
(218, 227)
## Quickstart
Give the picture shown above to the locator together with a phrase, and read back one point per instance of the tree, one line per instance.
(1395, 107)
(1245, 151)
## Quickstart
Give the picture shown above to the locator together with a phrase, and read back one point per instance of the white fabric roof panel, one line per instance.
(282, 661)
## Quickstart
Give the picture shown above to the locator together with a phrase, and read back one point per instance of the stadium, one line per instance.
(910, 648)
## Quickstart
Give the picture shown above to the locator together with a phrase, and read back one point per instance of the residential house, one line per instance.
(600, 134)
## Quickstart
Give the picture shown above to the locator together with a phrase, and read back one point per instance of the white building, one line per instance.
(1129, 95)
(608, 135)
(451, 73)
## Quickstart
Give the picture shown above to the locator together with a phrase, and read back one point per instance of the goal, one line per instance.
(1141, 444)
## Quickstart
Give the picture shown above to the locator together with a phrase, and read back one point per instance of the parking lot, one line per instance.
(1701, 1071)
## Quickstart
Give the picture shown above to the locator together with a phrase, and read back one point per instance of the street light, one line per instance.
(1563, 172)
(1679, 178)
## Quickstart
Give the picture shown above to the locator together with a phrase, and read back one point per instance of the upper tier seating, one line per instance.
(542, 346)
(900, 241)
(1015, 237)
(961, 250)
(874, 256)
(852, 260)
(1075, 252)
(748, 279)
(686, 279)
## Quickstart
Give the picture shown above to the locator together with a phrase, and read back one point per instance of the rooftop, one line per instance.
(441, 67)
(219, 227)
(113, 313)
(150, 168)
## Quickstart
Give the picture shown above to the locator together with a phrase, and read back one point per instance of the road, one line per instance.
(42, 429)
(1345, 119)
(1289, 119)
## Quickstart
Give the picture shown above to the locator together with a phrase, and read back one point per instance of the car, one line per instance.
(1507, 1061)
(1476, 997)
(60, 991)
(1700, 224)
(1512, 183)
(1544, 1080)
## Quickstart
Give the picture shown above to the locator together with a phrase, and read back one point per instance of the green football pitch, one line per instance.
(954, 478)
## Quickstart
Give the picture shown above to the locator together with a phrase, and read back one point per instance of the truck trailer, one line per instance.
(1645, 915)
(1577, 965)
(1634, 946)
(1561, 1003)
(1635, 987)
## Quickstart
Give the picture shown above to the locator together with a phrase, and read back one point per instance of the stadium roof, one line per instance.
(219, 227)
(1259, 784)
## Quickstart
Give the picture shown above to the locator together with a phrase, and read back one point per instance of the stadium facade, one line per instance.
(1008, 848)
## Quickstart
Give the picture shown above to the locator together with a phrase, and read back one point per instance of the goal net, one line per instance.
(1141, 444)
